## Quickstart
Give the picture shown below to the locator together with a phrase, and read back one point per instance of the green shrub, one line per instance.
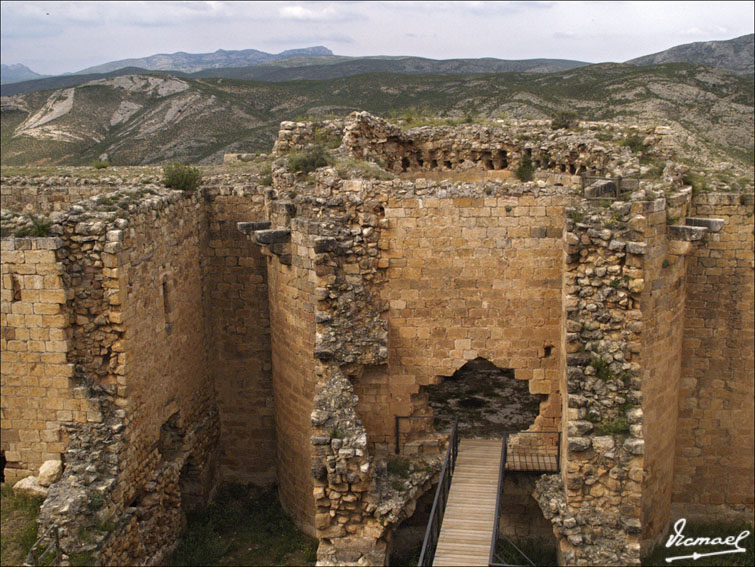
(602, 369)
(39, 227)
(617, 426)
(525, 170)
(634, 143)
(100, 164)
(697, 181)
(180, 176)
(564, 119)
(308, 161)
(398, 466)
(327, 138)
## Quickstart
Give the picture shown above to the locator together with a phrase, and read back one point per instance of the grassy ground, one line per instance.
(244, 527)
(19, 526)
(709, 530)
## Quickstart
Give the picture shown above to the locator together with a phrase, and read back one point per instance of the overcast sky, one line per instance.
(58, 37)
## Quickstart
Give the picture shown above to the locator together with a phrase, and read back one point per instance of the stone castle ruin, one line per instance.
(158, 342)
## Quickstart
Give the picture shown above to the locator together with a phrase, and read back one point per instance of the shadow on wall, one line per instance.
(406, 545)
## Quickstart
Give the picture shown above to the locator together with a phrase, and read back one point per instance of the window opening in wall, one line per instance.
(488, 163)
(572, 168)
(447, 164)
(502, 159)
(547, 350)
(404, 164)
(2, 466)
(15, 287)
(488, 400)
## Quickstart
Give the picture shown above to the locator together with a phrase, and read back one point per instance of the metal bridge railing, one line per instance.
(527, 451)
(432, 533)
(35, 556)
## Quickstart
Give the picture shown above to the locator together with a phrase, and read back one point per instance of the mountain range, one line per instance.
(313, 63)
(132, 116)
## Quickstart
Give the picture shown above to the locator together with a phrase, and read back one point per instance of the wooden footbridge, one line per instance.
(463, 526)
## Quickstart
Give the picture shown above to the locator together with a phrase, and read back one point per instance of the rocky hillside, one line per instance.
(736, 55)
(143, 119)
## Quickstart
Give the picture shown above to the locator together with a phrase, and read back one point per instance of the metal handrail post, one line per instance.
(432, 532)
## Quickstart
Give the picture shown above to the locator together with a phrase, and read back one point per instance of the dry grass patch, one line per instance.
(18, 516)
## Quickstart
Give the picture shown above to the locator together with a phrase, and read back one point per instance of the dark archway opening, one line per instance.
(488, 400)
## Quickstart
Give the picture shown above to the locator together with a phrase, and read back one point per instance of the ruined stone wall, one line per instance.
(487, 148)
(292, 325)
(153, 366)
(139, 415)
(714, 457)
(467, 277)
(595, 504)
(37, 394)
(662, 304)
(238, 331)
(44, 195)
(166, 364)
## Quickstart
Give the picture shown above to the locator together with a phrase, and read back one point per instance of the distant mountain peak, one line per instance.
(16, 72)
(735, 55)
(317, 51)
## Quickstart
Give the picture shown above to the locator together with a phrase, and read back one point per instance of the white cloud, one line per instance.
(79, 34)
(316, 12)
